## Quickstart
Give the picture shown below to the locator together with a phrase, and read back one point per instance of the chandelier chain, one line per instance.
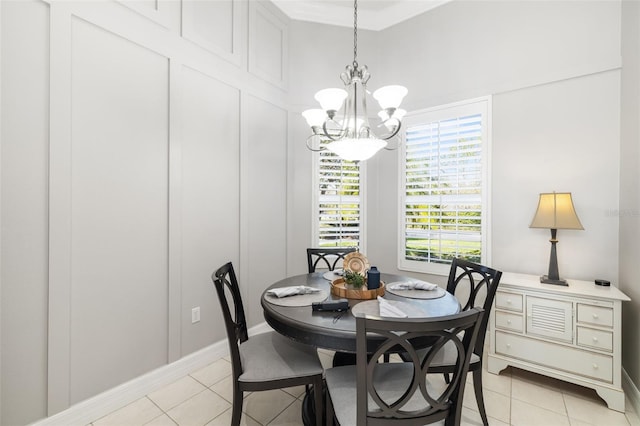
(355, 33)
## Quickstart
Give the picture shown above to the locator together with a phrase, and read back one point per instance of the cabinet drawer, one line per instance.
(597, 315)
(509, 301)
(598, 339)
(576, 361)
(509, 321)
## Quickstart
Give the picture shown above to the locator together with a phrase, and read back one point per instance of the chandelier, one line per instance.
(351, 136)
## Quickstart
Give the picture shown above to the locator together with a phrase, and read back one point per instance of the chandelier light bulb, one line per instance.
(390, 96)
(331, 99)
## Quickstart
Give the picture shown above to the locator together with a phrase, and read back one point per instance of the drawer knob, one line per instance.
(508, 321)
(595, 316)
(509, 301)
(595, 366)
(595, 339)
(508, 345)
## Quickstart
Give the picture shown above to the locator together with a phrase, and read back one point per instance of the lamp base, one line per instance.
(546, 280)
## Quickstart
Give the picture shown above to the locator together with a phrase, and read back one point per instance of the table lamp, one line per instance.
(555, 211)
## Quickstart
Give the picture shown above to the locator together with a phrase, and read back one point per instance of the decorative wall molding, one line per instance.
(268, 45)
(100, 405)
(632, 392)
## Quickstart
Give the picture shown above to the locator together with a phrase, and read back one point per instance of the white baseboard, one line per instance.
(631, 391)
(102, 404)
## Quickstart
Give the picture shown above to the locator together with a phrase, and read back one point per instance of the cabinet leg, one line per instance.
(495, 365)
(613, 398)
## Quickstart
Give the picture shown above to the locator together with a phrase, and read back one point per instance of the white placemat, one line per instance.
(371, 307)
(417, 294)
(332, 275)
(298, 299)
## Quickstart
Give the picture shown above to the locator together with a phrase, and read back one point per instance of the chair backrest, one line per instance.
(328, 257)
(414, 397)
(474, 281)
(236, 324)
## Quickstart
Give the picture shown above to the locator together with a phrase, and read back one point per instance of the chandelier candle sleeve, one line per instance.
(351, 137)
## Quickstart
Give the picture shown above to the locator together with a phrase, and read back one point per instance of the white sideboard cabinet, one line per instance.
(570, 333)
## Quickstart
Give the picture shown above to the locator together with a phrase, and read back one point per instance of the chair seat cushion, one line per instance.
(390, 380)
(271, 356)
(447, 356)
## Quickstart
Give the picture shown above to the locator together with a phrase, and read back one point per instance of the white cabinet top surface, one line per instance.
(575, 287)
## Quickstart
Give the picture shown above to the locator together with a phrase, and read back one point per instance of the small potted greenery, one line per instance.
(353, 279)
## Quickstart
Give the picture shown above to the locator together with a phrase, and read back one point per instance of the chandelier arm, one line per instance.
(326, 132)
(395, 132)
(310, 148)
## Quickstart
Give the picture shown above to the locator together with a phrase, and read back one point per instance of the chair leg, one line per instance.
(477, 388)
(236, 413)
(328, 405)
(318, 396)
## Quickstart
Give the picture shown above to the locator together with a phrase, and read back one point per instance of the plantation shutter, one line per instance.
(338, 202)
(443, 189)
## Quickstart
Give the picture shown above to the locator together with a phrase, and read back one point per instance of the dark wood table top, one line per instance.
(337, 330)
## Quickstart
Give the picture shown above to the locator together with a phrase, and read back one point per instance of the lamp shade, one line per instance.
(356, 149)
(390, 96)
(331, 99)
(556, 211)
(314, 117)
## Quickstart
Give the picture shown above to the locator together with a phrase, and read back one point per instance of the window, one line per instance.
(444, 187)
(337, 202)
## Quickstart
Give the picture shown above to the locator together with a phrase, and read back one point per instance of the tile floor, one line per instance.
(514, 397)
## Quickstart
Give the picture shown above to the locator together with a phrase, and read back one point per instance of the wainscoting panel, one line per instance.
(265, 200)
(214, 26)
(118, 210)
(268, 45)
(210, 116)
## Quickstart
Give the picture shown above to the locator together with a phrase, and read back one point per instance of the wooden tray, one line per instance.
(338, 288)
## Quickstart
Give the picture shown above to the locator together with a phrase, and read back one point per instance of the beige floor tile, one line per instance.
(267, 405)
(296, 391)
(496, 405)
(575, 422)
(472, 418)
(224, 388)
(523, 414)
(500, 383)
(291, 416)
(540, 396)
(594, 412)
(137, 413)
(199, 410)
(173, 394)
(224, 419)
(162, 420)
(213, 372)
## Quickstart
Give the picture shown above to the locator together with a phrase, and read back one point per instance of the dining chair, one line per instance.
(328, 257)
(265, 361)
(475, 286)
(377, 393)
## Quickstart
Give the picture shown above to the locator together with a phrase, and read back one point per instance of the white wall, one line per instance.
(629, 213)
(552, 69)
(133, 140)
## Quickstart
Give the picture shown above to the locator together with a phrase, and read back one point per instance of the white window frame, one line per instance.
(478, 105)
(315, 208)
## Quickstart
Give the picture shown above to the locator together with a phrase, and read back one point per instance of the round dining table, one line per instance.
(337, 330)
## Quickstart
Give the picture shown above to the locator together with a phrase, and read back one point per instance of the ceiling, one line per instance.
(372, 14)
